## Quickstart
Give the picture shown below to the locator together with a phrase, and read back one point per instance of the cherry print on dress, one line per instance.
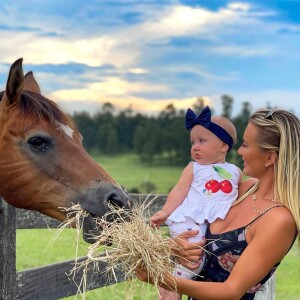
(213, 185)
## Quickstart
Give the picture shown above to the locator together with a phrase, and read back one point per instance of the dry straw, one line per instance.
(133, 242)
(75, 215)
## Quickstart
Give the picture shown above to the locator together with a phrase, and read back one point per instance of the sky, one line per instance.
(145, 55)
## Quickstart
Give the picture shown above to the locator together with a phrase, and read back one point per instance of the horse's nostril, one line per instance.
(115, 202)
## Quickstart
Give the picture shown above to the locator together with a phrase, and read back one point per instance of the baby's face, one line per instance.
(207, 148)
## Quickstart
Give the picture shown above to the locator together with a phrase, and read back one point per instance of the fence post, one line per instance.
(8, 284)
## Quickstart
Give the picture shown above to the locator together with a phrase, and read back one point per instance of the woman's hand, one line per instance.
(186, 253)
(143, 275)
(169, 282)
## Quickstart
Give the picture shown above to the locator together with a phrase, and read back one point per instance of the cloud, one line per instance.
(163, 50)
(284, 99)
(242, 51)
(112, 87)
(141, 105)
(122, 47)
(137, 71)
(176, 21)
(41, 50)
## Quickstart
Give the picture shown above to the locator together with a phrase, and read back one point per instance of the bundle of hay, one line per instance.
(132, 242)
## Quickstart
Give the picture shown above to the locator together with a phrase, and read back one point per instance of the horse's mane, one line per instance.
(40, 107)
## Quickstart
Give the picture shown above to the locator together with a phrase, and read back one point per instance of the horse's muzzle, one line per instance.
(98, 201)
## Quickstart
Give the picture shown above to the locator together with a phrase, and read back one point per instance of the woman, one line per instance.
(245, 248)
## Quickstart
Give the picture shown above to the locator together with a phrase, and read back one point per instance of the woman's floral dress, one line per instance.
(223, 251)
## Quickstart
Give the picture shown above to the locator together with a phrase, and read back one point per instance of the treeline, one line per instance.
(162, 139)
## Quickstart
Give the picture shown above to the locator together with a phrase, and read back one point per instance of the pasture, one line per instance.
(37, 247)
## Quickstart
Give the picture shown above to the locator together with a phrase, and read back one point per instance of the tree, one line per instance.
(86, 127)
(227, 102)
(107, 137)
(162, 139)
(108, 108)
(199, 105)
(240, 123)
(147, 140)
(246, 110)
(169, 112)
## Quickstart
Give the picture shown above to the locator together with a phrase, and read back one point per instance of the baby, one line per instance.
(208, 185)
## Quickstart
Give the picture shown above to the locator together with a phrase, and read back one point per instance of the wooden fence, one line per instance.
(52, 282)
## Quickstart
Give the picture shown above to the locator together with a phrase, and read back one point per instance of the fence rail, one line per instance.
(47, 282)
(52, 282)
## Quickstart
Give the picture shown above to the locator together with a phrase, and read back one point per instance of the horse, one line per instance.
(43, 164)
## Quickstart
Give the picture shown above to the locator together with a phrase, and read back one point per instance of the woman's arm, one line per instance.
(271, 238)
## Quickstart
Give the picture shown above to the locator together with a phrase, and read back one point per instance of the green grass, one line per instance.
(40, 247)
(130, 173)
(37, 247)
(288, 276)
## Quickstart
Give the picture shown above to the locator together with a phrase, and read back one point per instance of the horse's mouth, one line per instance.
(104, 204)
(93, 226)
(91, 230)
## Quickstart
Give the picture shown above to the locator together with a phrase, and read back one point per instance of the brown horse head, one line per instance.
(43, 165)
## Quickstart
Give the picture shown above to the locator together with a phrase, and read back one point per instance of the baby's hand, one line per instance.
(158, 218)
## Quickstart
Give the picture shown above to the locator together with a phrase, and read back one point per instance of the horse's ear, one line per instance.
(15, 83)
(31, 84)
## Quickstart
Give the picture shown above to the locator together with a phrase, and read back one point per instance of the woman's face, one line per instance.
(254, 157)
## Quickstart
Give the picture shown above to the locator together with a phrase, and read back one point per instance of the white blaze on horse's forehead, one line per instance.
(67, 129)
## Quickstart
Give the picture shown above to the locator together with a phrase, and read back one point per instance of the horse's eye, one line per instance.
(39, 143)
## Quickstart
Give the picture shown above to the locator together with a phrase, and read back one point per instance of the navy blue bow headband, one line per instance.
(204, 119)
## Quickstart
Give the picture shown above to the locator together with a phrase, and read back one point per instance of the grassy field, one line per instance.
(41, 247)
(130, 173)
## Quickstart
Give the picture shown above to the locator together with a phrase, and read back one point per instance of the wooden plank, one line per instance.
(52, 282)
(156, 205)
(8, 287)
(27, 219)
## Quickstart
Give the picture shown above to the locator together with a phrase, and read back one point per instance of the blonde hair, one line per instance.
(280, 132)
(227, 125)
